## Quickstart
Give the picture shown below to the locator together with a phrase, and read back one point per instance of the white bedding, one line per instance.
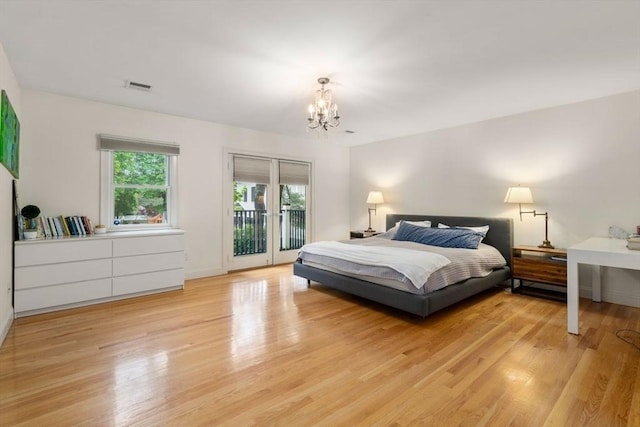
(415, 265)
(464, 264)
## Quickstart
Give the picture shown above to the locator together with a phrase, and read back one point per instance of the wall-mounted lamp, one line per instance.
(374, 198)
(522, 195)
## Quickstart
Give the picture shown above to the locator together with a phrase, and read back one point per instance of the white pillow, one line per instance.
(418, 223)
(390, 233)
(482, 229)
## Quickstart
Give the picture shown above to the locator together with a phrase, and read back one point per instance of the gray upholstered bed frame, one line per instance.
(500, 236)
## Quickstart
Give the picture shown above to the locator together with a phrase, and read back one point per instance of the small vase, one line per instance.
(30, 234)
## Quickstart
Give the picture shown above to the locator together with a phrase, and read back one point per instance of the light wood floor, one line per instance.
(260, 348)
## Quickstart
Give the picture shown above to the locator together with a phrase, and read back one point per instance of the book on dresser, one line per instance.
(39, 228)
(79, 227)
(45, 227)
(54, 227)
(64, 225)
(71, 226)
(633, 242)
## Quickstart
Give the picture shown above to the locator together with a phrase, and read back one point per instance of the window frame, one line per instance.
(108, 187)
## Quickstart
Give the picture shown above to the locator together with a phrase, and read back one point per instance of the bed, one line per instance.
(499, 236)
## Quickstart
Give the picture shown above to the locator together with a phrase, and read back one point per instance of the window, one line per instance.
(138, 183)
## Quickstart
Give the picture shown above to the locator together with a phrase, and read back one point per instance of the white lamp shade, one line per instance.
(375, 197)
(518, 195)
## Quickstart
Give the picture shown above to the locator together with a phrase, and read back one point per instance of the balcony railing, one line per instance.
(293, 226)
(250, 231)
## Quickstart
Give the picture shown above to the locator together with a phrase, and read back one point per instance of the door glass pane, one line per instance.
(293, 216)
(249, 218)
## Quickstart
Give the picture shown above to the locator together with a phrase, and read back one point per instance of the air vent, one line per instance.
(138, 86)
(349, 131)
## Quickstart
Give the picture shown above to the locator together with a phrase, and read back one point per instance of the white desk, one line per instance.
(598, 251)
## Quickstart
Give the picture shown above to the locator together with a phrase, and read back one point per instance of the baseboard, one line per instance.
(613, 296)
(6, 325)
(197, 274)
(622, 298)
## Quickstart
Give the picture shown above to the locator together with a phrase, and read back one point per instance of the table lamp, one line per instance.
(522, 195)
(374, 198)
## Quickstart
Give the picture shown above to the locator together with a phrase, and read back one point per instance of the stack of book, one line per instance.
(633, 242)
(60, 226)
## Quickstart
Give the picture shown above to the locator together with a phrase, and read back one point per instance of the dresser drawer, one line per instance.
(147, 263)
(148, 281)
(147, 245)
(53, 274)
(52, 296)
(51, 252)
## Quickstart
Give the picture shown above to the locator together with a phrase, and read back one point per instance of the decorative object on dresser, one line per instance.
(374, 198)
(30, 213)
(540, 265)
(522, 195)
(616, 232)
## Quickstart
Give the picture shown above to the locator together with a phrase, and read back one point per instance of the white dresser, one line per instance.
(62, 273)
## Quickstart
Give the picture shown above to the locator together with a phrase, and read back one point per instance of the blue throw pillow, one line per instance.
(443, 237)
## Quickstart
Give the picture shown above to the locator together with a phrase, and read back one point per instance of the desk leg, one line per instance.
(572, 297)
(596, 283)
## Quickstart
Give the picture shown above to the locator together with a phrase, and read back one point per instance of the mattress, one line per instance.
(464, 264)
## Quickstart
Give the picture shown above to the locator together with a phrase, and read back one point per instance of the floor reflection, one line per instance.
(253, 319)
(137, 380)
(250, 302)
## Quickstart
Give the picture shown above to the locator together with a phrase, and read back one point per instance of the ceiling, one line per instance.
(397, 67)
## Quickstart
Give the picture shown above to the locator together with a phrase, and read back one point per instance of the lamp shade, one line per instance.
(518, 195)
(375, 197)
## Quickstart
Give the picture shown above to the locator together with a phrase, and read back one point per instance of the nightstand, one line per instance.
(541, 265)
(360, 234)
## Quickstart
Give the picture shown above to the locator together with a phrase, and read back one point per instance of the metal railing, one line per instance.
(293, 227)
(250, 231)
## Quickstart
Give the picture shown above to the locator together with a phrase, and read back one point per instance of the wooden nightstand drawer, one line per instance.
(540, 270)
(546, 266)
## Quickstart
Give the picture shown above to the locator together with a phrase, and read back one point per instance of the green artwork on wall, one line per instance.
(9, 136)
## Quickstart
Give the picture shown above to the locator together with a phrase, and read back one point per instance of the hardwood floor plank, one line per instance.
(259, 347)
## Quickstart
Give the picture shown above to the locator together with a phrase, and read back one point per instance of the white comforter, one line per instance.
(417, 266)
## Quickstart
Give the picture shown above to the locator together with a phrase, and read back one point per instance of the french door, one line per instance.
(268, 213)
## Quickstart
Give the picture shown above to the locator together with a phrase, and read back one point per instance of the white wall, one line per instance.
(10, 85)
(60, 169)
(580, 160)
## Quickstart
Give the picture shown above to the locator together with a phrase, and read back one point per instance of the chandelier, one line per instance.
(323, 114)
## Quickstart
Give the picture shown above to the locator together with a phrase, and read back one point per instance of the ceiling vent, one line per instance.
(139, 86)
